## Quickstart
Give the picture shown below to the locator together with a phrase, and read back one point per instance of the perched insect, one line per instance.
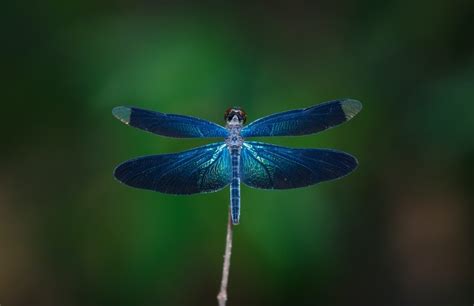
(260, 165)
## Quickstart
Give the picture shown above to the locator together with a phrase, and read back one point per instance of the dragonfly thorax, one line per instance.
(234, 140)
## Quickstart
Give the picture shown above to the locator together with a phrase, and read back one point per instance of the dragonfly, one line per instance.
(235, 159)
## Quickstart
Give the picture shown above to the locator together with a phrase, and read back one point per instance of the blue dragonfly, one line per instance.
(212, 167)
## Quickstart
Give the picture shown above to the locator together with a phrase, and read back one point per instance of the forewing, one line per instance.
(204, 169)
(304, 121)
(168, 124)
(273, 167)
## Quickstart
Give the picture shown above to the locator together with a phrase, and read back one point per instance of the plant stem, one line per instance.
(222, 296)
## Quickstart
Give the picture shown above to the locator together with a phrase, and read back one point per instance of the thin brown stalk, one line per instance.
(222, 296)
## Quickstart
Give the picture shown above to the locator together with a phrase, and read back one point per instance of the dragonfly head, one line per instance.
(235, 115)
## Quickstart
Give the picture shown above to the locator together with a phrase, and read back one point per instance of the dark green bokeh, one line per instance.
(394, 232)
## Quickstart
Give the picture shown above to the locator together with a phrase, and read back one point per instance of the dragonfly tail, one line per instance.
(235, 187)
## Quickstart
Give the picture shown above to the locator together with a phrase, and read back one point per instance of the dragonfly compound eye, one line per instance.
(235, 111)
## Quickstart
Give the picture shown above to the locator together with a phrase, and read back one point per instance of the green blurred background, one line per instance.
(395, 232)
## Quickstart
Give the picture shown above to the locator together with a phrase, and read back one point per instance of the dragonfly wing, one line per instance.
(273, 167)
(304, 121)
(168, 124)
(203, 169)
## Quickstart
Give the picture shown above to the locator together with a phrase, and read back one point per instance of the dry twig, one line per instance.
(222, 296)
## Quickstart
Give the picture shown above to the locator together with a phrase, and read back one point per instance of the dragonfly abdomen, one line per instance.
(235, 186)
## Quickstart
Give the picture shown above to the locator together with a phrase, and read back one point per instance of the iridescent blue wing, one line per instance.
(272, 167)
(304, 121)
(168, 124)
(203, 169)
